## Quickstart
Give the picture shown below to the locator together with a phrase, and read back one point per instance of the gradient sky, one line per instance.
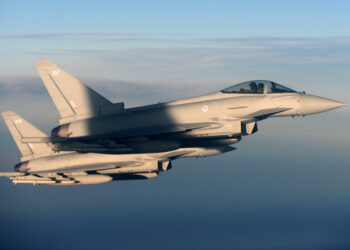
(285, 187)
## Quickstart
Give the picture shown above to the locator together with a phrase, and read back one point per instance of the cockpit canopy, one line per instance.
(257, 87)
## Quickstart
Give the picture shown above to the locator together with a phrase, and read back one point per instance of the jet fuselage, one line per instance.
(218, 118)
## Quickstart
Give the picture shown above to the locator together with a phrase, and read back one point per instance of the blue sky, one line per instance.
(205, 18)
(285, 187)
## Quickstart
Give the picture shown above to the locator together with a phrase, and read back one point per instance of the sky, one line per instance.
(285, 187)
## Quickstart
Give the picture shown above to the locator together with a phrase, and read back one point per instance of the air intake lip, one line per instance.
(61, 131)
(21, 167)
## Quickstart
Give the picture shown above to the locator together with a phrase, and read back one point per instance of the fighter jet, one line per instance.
(40, 165)
(99, 141)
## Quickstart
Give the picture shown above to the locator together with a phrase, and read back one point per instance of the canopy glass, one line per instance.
(258, 87)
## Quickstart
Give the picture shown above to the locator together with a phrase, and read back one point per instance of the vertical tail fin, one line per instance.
(20, 128)
(71, 97)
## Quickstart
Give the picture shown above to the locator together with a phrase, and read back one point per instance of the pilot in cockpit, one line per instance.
(261, 88)
(253, 87)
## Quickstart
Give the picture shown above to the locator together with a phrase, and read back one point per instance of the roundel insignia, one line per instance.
(205, 108)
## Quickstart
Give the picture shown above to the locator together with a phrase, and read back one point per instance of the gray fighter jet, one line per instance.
(99, 141)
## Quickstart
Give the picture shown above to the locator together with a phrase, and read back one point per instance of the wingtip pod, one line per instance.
(43, 64)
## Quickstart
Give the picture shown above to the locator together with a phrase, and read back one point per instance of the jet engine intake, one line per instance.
(21, 167)
(61, 131)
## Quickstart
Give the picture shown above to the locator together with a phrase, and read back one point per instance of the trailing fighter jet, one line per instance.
(99, 141)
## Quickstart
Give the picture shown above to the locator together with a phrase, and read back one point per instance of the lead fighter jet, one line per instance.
(98, 141)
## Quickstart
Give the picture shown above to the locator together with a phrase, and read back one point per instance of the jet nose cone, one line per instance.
(310, 104)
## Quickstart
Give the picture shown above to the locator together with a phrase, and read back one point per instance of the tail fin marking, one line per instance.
(70, 96)
(20, 128)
